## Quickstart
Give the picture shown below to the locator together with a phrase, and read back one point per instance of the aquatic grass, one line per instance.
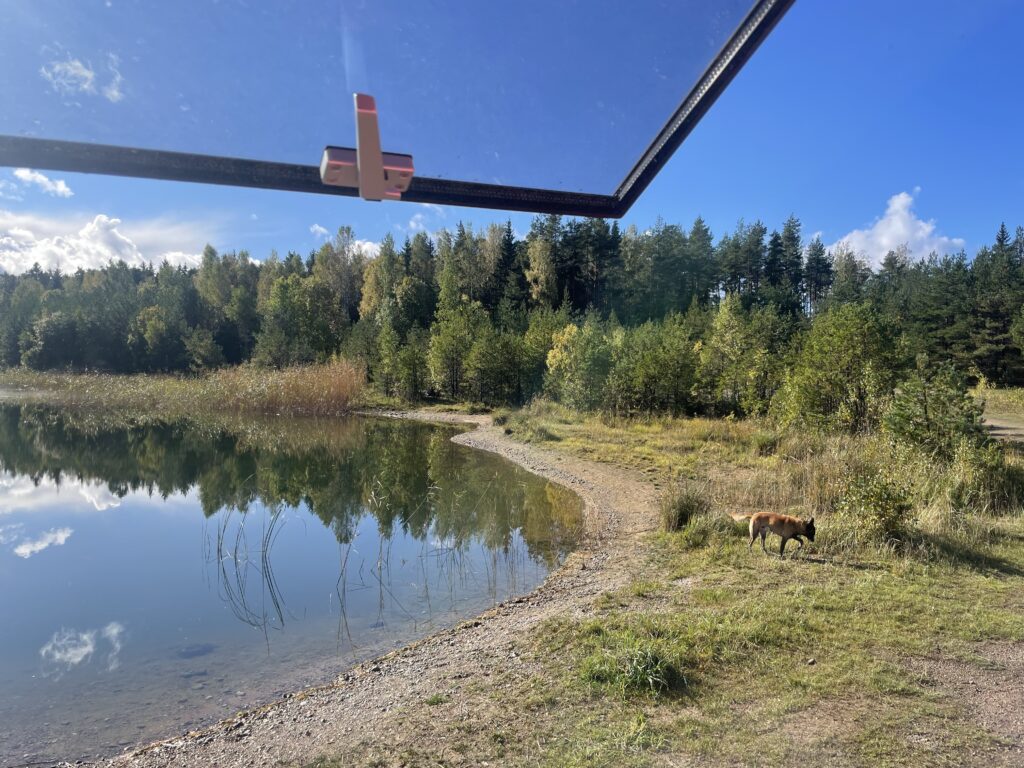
(327, 389)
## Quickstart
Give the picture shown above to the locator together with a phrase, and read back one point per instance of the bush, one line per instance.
(875, 508)
(978, 480)
(765, 443)
(681, 503)
(933, 409)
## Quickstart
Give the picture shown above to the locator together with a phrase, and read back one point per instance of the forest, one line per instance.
(664, 319)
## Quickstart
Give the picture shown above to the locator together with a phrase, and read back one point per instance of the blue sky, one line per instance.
(876, 123)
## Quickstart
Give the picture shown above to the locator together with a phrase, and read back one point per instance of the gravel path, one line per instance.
(377, 710)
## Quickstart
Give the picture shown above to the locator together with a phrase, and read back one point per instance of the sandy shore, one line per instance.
(376, 712)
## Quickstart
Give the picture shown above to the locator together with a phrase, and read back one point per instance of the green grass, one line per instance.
(316, 390)
(656, 445)
(712, 646)
(728, 640)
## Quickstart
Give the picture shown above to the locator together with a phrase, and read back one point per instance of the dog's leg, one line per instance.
(800, 541)
(764, 535)
(782, 546)
(753, 535)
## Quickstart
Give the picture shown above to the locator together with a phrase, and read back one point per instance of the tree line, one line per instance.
(661, 319)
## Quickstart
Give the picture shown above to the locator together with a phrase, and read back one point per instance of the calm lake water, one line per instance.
(158, 576)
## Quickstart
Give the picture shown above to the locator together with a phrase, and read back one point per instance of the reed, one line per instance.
(327, 389)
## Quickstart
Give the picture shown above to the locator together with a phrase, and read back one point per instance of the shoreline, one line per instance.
(370, 706)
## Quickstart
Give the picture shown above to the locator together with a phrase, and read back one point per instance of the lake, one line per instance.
(156, 576)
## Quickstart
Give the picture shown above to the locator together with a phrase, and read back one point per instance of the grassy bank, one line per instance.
(837, 656)
(316, 390)
(736, 658)
(1008, 402)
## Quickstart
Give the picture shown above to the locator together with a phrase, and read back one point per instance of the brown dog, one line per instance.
(786, 526)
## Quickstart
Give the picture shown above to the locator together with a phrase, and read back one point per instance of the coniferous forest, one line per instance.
(664, 320)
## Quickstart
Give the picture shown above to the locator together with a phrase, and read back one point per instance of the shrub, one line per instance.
(979, 480)
(876, 508)
(681, 503)
(765, 443)
(933, 409)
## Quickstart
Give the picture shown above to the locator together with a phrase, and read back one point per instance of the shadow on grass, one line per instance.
(962, 554)
(856, 565)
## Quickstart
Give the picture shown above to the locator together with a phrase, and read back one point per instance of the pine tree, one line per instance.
(818, 275)
(792, 254)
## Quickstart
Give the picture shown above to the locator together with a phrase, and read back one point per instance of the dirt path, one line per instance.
(378, 712)
(1005, 427)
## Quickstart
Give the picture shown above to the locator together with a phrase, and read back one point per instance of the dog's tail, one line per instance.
(740, 516)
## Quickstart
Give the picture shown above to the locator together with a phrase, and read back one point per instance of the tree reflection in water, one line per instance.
(253, 476)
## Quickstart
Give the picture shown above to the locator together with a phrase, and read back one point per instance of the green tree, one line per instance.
(653, 368)
(451, 337)
(934, 410)
(722, 368)
(818, 275)
(844, 374)
(202, 350)
(413, 371)
(578, 364)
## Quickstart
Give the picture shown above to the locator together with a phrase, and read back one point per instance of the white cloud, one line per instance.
(9, 190)
(367, 247)
(436, 209)
(70, 76)
(21, 494)
(317, 231)
(112, 633)
(52, 187)
(52, 538)
(89, 243)
(423, 220)
(898, 226)
(9, 533)
(68, 648)
(112, 91)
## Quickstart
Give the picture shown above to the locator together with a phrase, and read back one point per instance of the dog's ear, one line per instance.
(810, 519)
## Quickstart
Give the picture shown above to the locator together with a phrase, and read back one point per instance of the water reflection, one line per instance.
(169, 573)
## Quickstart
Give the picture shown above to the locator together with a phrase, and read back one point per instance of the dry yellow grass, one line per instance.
(317, 390)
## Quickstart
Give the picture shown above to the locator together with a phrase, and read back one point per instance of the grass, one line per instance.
(1001, 402)
(681, 503)
(732, 657)
(657, 445)
(739, 645)
(317, 390)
